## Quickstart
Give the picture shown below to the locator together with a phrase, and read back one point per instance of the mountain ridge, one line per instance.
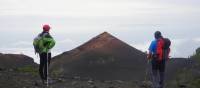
(101, 55)
(101, 39)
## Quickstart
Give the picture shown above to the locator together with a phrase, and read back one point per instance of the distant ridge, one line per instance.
(15, 61)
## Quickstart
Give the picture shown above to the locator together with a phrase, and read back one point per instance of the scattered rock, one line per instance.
(109, 82)
(10, 70)
(1, 69)
(77, 77)
(61, 80)
(119, 81)
(36, 84)
(90, 82)
(182, 86)
(146, 84)
(93, 86)
(111, 87)
(74, 83)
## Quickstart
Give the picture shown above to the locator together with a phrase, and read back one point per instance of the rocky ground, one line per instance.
(27, 77)
(15, 78)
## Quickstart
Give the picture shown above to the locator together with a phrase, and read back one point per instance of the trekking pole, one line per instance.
(147, 67)
(147, 70)
(47, 68)
(150, 70)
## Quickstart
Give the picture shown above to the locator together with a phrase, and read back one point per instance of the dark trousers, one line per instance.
(43, 65)
(158, 70)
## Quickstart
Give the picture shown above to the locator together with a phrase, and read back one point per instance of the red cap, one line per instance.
(46, 28)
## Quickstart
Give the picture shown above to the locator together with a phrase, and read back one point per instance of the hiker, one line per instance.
(43, 43)
(158, 54)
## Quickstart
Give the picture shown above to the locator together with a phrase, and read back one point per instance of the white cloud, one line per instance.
(22, 44)
(65, 45)
(175, 44)
(89, 7)
(66, 41)
(196, 39)
(142, 46)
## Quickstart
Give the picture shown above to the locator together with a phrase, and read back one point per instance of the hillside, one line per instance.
(15, 61)
(103, 57)
(17, 71)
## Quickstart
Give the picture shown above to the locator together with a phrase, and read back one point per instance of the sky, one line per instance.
(74, 22)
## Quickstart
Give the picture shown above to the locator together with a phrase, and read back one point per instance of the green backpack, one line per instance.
(43, 43)
(36, 42)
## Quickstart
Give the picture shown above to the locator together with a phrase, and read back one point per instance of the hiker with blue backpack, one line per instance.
(159, 50)
(43, 43)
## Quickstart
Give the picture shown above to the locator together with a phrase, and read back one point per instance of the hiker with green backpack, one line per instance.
(158, 54)
(43, 43)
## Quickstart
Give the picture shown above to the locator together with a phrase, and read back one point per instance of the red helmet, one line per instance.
(46, 28)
